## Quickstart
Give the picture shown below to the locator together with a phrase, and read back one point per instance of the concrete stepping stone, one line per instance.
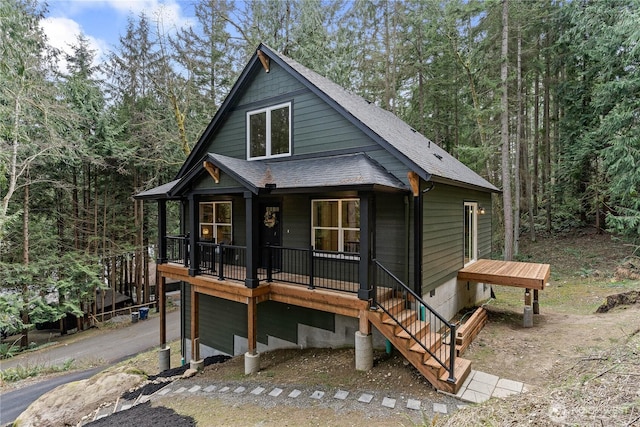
(440, 408)
(341, 394)
(275, 392)
(239, 390)
(210, 388)
(257, 390)
(194, 389)
(365, 398)
(413, 404)
(164, 391)
(295, 393)
(180, 390)
(224, 389)
(388, 402)
(317, 394)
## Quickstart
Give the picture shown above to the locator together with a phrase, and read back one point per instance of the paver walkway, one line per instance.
(478, 388)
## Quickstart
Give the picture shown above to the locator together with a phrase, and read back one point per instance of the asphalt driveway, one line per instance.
(102, 350)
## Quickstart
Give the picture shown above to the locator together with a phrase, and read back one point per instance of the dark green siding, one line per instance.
(392, 233)
(485, 236)
(296, 221)
(317, 127)
(281, 320)
(221, 319)
(443, 232)
(268, 85)
(206, 182)
(391, 164)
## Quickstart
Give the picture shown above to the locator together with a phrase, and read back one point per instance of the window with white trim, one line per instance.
(470, 232)
(215, 222)
(335, 225)
(269, 132)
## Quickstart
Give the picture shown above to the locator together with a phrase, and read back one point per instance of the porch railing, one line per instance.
(304, 266)
(314, 268)
(441, 345)
(177, 249)
(222, 261)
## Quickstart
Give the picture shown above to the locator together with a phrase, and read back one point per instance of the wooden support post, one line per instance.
(252, 326)
(162, 307)
(536, 304)
(527, 297)
(365, 325)
(195, 324)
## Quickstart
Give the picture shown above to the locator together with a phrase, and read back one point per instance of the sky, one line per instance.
(103, 21)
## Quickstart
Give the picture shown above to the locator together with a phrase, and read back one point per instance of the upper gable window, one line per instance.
(269, 132)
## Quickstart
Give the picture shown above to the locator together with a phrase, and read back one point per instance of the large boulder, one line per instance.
(68, 403)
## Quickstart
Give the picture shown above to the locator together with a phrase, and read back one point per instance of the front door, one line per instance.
(270, 232)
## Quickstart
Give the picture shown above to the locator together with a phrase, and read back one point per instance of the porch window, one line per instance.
(215, 222)
(269, 132)
(336, 225)
(470, 232)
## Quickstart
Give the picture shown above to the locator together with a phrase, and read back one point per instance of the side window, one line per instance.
(470, 232)
(335, 225)
(215, 222)
(269, 132)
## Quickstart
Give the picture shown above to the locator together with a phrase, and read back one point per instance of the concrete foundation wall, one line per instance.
(454, 295)
(308, 337)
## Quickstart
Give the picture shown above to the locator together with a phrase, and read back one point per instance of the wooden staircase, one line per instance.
(403, 328)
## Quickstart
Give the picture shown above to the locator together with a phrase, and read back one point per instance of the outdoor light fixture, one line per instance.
(480, 210)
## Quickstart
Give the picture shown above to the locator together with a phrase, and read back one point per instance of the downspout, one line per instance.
(418, 220)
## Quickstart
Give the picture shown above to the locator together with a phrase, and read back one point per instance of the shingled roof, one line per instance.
(411, 147)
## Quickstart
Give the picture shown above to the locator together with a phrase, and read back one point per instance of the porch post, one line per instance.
(195, 329)
(252, 357)
(161, 255)
(251, 208)
(164, 354)
(194, 262)
(367, 245)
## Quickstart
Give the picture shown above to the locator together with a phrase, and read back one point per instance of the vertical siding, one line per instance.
(443, 231)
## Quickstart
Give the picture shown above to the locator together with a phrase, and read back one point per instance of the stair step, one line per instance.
(403, 317)
(430, 340)
(417, 329)
(393, 305)
(443, 354)
(461, 371)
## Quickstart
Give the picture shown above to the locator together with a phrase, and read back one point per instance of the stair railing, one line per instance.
(388, 287)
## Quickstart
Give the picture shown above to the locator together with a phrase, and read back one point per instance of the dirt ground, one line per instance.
(582, 366)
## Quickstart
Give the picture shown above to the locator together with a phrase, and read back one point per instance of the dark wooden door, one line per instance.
(270, 232)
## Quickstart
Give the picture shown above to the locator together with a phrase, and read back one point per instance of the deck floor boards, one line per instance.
(507, 273)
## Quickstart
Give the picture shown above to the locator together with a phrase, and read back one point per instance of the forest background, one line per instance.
(540, 97)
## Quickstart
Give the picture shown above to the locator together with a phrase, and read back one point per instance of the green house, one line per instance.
(309, 216)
